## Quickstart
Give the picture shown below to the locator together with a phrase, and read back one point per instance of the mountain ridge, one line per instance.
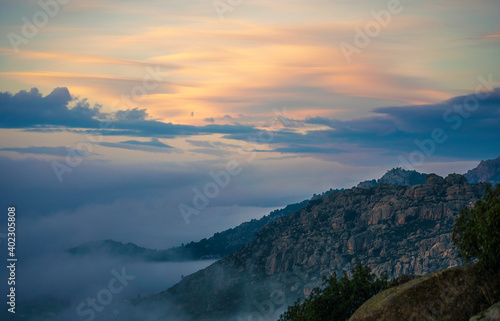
(392, 229)
(488, 171)
(230, 240)
(215, 247)
(223, 243)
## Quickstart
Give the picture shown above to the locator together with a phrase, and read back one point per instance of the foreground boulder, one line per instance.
(454, 294)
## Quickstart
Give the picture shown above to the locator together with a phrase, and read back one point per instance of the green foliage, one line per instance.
(339, 298)
(477, 231)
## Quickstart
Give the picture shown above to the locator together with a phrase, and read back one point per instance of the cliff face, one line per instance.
(486, 172)
(393, 229)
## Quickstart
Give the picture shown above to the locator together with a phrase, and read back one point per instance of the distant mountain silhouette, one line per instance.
(486, 172)
(217, 246)
(119, 249)
(228, 241)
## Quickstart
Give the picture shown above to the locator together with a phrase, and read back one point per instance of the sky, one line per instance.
(105, 102)
(163, 122)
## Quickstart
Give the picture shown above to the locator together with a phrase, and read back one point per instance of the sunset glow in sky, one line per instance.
(263, 55)
(163, 122)
(139, 101)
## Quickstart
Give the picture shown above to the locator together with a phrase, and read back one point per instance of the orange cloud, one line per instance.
(239, 66)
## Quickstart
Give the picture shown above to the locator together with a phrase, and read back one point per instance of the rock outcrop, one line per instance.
(394, 229)
(486, 172)
(396, 176)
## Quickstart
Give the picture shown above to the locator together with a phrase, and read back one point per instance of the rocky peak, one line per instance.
(433, 179)
(396, 176)
(456, 179)
(486, 172)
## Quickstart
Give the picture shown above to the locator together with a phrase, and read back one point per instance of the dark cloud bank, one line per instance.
(28, 109)
(470, 125)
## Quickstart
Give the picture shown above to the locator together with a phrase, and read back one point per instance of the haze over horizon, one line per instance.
(161, 123)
